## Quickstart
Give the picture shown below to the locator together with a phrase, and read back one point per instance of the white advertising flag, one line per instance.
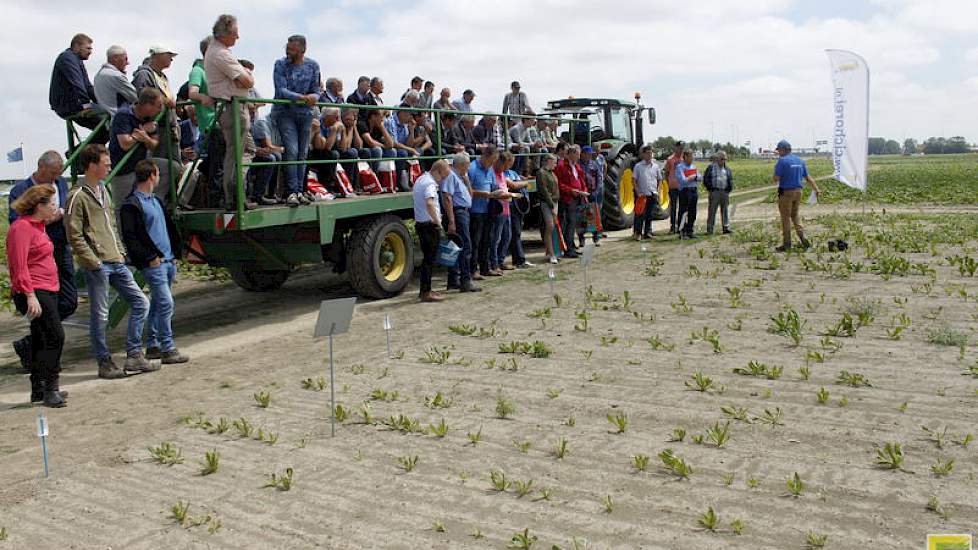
(850, 109)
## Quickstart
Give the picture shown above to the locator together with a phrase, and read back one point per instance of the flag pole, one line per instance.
(23, 161)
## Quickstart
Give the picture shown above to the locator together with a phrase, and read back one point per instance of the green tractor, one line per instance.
(614, 128)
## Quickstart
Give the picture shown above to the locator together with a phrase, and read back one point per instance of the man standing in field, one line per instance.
(788, 174)
(670, 173)
(427, 222)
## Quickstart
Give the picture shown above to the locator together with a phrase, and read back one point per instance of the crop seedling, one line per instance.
(608, 503)
(844, 327)
(263, 398)
(719, 435)
(281, 482)
(608, 340)
(709, 520)
(698, 439)
(682, 307)
(438, 526)
(498, 480)
(728, 479)
(966, 440)
(815, 540)
(735, 297)
(436, 355)
(244, 427)
(640, 462)
(438, 401)
(795, 485)
(439, 430)
(166, 453)
(938, 437)
(341, 413)
(736, 413)
(570, 422)
(560, 448)
(934, 505)
(407, 462)
(477, 534)
(366, 411)
(947, 336)
(829, 344)
(853, 379)
(462, 330)
(475, 438)
(544, 494)
(523, 487)
(753, 482)
(619, 421)
(736, 325)
(3, 534)
(553, 393)
(755, 368)
(211, 462)
(584, 317)
(701, 382)
(543, 313)
(522, 446)
(772, 417)
(805, 372)
(678, 466)
(180, 512)
(318, 384)
(942, 467)
(504, 408)
(737, 526)
(383, 395)
(523, 541)
(822, 395)
(678, 434)
(787, 323)
(890, 456)
(358, 369)
(657, 343)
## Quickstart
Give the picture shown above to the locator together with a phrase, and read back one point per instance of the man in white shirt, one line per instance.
(427, 222)
(645, 181)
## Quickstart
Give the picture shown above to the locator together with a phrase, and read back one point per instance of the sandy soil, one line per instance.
(350, 491)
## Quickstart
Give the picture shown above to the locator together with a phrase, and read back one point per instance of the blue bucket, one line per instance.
(448, 253)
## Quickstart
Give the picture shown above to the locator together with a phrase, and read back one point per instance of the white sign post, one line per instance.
(552, 276)
(334, 318)
(42, 432)
(586, 256)
(387, 329)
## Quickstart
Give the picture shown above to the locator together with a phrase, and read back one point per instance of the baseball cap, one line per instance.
(160, 48)
(679, 143)
(783, 144)
(587, 149)
(514, 84)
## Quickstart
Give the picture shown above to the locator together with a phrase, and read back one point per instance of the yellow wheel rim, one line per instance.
(393, 257)
(625, 190)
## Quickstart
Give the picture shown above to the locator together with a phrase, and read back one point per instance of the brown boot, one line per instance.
(431, 297)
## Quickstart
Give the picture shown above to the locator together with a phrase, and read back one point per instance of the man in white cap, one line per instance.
(150, 75)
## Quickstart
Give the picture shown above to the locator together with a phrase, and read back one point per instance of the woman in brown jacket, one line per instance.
(548, 192)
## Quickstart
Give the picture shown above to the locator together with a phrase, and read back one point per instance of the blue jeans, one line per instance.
(263, 177)
(159, 332)
(119, 276)
(481, 241)
(501, 233)
(461, 272)
(294, 126)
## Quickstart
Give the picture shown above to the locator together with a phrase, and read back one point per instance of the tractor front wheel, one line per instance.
(619, 199)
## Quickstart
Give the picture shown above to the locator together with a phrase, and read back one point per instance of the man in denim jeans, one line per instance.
(296, 78)
(153, 244)
(92, 235)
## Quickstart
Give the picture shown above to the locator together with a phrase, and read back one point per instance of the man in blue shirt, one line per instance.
(788, 174)
(296, 78)
(400, 125)
(71, 92)
(153, 244)
(49, 168)
(482, 179)
(458, 200)
(688, 176)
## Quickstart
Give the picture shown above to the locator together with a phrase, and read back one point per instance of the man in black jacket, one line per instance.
(153, 244)
(718, 181)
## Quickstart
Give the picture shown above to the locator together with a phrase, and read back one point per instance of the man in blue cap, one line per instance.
(593, 182)
(788, 174)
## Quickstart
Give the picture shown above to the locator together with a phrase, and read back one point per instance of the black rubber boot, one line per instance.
(38, 392)
(52, 397)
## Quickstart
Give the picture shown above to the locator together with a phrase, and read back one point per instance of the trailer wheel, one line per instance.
(380, 257)
(619, 200)
(257, 280)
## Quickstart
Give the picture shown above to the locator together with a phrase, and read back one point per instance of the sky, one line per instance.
(729, 70)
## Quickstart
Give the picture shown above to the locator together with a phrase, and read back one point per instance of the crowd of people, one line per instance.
(473, 190)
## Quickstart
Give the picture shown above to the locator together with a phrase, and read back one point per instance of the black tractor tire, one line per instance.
(615, 215)
(380, 257)
(258, 280)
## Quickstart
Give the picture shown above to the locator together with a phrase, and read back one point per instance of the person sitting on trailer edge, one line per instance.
(153, 244)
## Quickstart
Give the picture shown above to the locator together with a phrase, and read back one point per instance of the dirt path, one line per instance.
(350, 492)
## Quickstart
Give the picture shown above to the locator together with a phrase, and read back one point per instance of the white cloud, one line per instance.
(742, 66)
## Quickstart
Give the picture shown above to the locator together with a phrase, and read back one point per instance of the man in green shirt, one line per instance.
(203, 103)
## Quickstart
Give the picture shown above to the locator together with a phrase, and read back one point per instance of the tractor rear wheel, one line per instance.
(257, 280)
(619, 200)
(380, 257)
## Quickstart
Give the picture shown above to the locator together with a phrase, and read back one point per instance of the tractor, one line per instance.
(612, 127)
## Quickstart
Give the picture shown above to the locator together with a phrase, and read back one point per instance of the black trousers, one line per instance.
(68, 293)
(47, 337)
(687, 205)
(674, 216)
(429, 235)
(481, 241)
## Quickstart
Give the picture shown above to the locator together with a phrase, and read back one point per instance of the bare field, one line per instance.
(642, 358)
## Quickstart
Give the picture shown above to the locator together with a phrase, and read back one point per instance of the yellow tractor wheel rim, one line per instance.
(625, 190)
(393, 257)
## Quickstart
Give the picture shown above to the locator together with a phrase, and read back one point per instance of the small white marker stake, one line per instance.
(387, 329)
(42, 432)
(586, 256)
(552, 275)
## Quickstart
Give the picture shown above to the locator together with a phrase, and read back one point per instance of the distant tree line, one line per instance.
(663, 147)
(932, 146)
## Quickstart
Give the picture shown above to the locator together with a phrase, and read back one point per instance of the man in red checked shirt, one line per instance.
(570, 182)
(670, 173)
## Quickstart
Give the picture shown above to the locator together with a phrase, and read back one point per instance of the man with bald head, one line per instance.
(49, 168)
(112, 87)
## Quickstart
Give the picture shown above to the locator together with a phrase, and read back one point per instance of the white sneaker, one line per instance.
(293, 200)
(528, 264)
(554, 260)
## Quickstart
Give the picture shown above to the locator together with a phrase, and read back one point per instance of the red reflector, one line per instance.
(605, 146)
